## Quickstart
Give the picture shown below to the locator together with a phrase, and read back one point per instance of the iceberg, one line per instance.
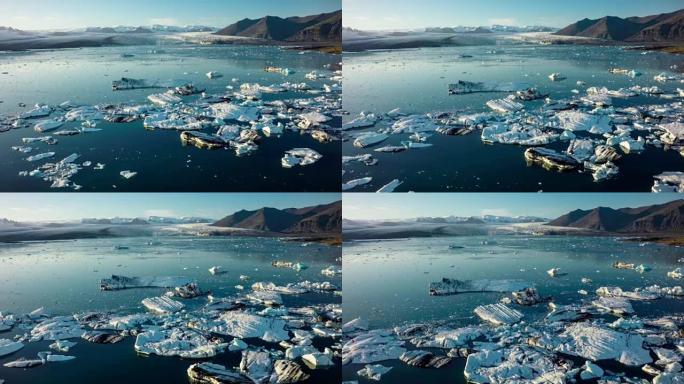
(47, 125)
(372, 346)
(40, 156)
(312, 119)
(674, 133)
(257, 365)
(557, 76)
(596, 343)
(202, 140)
(39, 110)
(228, 111)
(300, 156)
(164, 99)
(550, 159)
(8, 347)
(616, 305)
(355, 183)
(668, 182)
(214, 75)
(362, 121)
(498, 314)
(128, 83)
(390, 187)
(464, 87)
(413, 124)
(368, 139)
(127, 174)
(215, 373)
(162, 305)
(581, 121)
(424, 359)
(504, 105)
(289, 372)
(117, 282)
(452, 286)
(244, 325)
(178, 342)
(373, 371)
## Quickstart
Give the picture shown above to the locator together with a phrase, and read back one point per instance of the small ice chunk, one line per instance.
(390, 187)
(128, 174)
(162, 305)
(355, 183)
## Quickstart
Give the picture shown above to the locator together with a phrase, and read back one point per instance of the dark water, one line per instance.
(416, 81)
(84, 77)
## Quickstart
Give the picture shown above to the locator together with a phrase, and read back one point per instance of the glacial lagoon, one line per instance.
(84, 78)
(64, 277)
(416, 81)
(386, 284)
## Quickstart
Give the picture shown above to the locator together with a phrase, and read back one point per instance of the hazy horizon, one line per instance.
(78, 14)
(35, 207)
(398, 15)
(548, 205)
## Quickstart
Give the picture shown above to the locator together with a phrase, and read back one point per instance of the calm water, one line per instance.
(84, 76)
(387, 282)
(416, 81)
(69, 273)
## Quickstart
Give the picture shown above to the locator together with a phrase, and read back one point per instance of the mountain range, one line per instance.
(320, 219)
(325, 27)
(665, 27)
(661, 218)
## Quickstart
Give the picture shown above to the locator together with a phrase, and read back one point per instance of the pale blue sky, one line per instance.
(410, 14)
(369, 206)
(74, 206)
(66, 14)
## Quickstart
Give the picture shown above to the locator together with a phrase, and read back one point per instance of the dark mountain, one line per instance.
(666, 27)
(668, 217)
(314, 28)
(309, 220)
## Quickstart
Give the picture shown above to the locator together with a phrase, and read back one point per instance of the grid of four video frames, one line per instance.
(341, 191)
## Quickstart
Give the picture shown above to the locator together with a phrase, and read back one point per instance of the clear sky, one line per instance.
(74, 206)
(71, 14)
(411, 14)
(367, 206)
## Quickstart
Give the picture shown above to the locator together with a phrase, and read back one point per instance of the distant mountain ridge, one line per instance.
(318, 219)
(668, 217)
(314, 28)
(665, 27)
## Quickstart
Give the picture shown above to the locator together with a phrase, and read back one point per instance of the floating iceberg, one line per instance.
(390, 187)
(300, 156)
(452, 286)
(8, 347)
(668, 182)
(178, 342)
(464, 87)
(498, 314)
(355, 183)
(164, 99)
(581, 121)
(551, 159)
(373, 372)
(244, 325)
(214, 373)
(162, 305)
(424, 359)
(369, 138)
(289, 372)
(47, 125)
(40, 156)
(362, 121)
(504, 105)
